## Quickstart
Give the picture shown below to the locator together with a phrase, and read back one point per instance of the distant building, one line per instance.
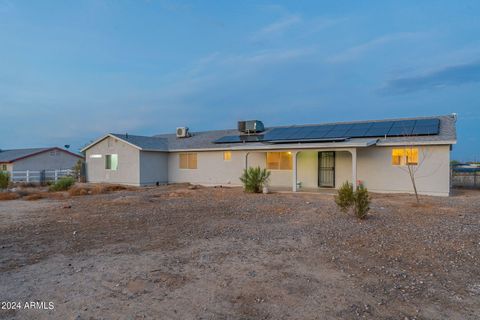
(37, 159)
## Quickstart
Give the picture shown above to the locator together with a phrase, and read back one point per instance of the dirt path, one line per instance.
(175, 253)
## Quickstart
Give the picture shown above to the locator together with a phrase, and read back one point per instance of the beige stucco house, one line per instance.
(308, 157)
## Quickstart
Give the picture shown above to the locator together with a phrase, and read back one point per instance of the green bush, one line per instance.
(359, 200)
(254, 179)
(345, 197)
(4, 179)
(63, 184)
(362, 202)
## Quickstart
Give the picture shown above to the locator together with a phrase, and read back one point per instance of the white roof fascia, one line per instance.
(416, 143)
(330, 145)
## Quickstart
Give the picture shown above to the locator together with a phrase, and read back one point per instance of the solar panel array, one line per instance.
(342, 131)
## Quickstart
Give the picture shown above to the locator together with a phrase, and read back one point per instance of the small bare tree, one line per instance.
(411, 162)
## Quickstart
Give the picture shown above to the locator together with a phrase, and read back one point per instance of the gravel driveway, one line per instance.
(215, 253)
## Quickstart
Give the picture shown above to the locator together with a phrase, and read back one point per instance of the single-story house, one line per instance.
(375, 153)
(37, 159)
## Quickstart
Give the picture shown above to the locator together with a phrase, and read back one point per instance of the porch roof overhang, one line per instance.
(351, 143)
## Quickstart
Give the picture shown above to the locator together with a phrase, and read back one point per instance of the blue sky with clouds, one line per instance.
(73, 70)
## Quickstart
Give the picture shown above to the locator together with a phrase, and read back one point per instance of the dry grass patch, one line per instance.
(106, 188)
(5, 196)
(85, 189)
(33, 197)
(78, 191)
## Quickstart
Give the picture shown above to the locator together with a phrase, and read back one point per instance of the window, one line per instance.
(111, 161)
(279, 160)
(188, 160)
(54, 153)
(4, 167)
(95, 156)
(405, 156)
(227, 156)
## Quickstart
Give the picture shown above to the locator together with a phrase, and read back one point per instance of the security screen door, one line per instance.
(326, 169)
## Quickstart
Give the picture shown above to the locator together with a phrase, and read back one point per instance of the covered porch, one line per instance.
(307, 170)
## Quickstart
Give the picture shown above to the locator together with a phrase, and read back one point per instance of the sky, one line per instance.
(71, 71)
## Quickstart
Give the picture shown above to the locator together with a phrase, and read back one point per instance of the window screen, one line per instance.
(188, 160)
(279, 160)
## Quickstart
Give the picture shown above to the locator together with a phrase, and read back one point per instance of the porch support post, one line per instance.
(354, 167)
(294, 171)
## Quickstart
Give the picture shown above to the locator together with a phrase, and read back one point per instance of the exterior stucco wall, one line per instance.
(375, 170)
(153, 167)
(46, 161)
(211, 169)
(343, 168)
(307, 168)
(128, 171)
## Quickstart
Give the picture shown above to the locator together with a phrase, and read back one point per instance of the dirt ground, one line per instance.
(214, 253)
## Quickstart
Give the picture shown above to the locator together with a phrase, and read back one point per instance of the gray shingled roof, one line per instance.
(16, 154)
(11, 155)
(204, 139)
(145, 143)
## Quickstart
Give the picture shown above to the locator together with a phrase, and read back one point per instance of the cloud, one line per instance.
(214, 70)
(355, 52)
(448, 76)
(268, 57)
(277, 28)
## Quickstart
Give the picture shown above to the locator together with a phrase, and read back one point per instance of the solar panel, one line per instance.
(379, 129)
(402, 128)
(337, 132)
(228, 139)
(425, 130)
(426, 127)
(238, 139)
(428, 122)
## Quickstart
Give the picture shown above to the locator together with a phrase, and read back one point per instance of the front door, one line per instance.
(326, 169)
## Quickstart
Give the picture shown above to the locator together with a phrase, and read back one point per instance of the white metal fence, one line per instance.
(466, 179)
(39, 176)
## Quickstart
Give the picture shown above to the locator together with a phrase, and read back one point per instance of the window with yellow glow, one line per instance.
(227, 156)
(279, 160)
(188, 160)
(405, 156)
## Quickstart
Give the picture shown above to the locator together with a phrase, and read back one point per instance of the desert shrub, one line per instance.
(254, 179)
(8, 196)
(362, 202)
(345, 197)
(4, 179)
(63, 184)
(358, 200)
